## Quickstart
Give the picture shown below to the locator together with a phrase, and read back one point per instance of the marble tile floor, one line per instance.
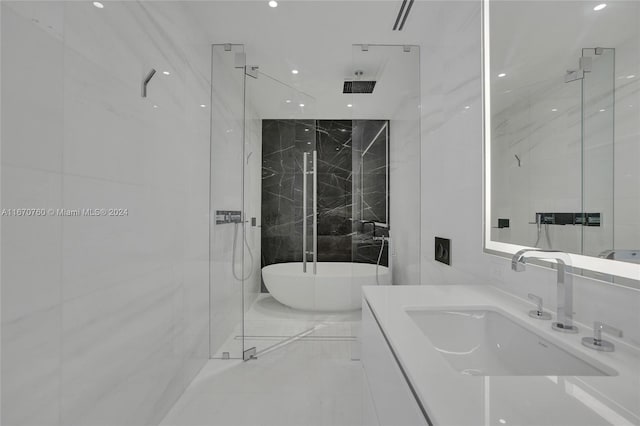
(269, 325)
(308, 382)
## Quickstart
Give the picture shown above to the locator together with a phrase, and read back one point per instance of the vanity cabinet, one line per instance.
(394, 402)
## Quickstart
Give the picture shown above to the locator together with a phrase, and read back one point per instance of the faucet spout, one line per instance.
(564, 318)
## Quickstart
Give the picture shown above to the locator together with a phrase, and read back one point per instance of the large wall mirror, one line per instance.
(562, 131)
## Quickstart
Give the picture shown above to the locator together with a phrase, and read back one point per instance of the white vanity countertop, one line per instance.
(452, 398)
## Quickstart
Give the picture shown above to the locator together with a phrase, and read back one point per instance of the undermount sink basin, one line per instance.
(485, 342)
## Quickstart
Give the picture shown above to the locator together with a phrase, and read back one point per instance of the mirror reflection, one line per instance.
(565, 126)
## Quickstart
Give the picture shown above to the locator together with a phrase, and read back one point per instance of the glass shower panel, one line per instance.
(598, 98)
(280, 141)
(386, 161)
(226, 206)
(385, 165)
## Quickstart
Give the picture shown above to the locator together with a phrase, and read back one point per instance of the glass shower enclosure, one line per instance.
(243, 98)
(307, 182)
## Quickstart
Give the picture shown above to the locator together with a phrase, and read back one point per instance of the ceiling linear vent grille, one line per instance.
(402, 19)
(358, 86)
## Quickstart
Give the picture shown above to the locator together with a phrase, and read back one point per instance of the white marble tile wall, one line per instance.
(553, 169)
(253, 203)
(104, 319)
(404, 177)
(452, 181)
(627, 144)
(451, 141)
(226, 193)
(548, 177)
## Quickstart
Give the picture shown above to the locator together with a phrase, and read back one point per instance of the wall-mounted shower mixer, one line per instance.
(228, 216)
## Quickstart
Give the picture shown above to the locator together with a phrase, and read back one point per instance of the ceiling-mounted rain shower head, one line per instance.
(358, 86)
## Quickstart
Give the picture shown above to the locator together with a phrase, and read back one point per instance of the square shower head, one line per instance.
(358, 86)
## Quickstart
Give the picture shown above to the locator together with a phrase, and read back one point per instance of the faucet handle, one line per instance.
(538, 313)
(596, 341)
(599, 327)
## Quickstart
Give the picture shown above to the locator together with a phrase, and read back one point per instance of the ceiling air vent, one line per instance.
(358, 86)
(400, 19)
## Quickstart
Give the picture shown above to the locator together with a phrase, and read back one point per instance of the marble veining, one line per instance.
(340, 235)
(104, 319)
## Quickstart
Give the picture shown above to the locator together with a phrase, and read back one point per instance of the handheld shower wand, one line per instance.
(233, 256)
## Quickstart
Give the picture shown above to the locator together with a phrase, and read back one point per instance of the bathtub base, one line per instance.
(337, 286)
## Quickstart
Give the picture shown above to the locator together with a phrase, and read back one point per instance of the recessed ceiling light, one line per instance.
(166, 73)
(308, 143)
(508, 91)
(349, 105)
(306, 130)
(98, 5)
(467, 107)
(600, 6)
(502, 421)
(294, 71)
(502, 75)
(301, 105)
(602, 110)
(273, 3)
(288, 101)
(554, 109)
(631, 76)
(155, 106)
(203, 106)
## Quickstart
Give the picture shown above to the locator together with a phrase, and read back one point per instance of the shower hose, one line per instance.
(233, 256)
(540, 225)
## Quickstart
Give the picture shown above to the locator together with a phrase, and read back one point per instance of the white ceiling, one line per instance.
(317, 38)
(536, 42)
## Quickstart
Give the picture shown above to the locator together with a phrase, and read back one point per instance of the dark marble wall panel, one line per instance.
(284, 142)
(370, 182)
(334, 190)
(283, 145)
(370, 161)
(367, 251)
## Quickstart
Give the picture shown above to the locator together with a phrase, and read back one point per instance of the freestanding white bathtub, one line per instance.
(335, 287)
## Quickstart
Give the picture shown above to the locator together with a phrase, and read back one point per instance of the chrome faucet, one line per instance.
(564, 320)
